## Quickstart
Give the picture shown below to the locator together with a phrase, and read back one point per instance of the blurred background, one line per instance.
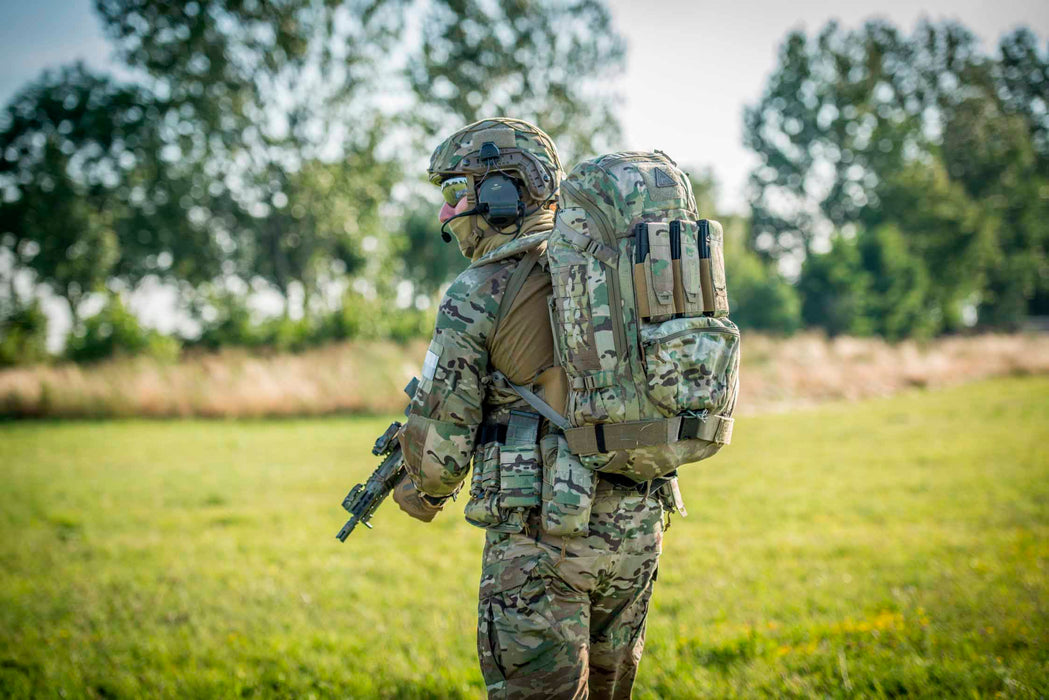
(184, 178)
(217, 209)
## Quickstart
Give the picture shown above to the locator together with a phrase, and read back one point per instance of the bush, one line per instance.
(373, 319)
(873, 284)
(357, 318)
(23, 336)
(116, 331)
(759, 299)
(834, 289)
(899, 304)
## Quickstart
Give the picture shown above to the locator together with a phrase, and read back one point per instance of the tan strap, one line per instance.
(609, 437)
(513, 285)
(589, 245)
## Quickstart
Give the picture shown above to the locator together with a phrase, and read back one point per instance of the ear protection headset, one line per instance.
(498, 199)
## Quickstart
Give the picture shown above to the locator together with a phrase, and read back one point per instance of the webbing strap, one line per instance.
(589, 245)
(609, 437)
(597, 380)
(545, 409)
(513, 285)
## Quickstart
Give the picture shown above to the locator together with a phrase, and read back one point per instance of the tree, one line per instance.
(759, 298)
(260, 144)
(545, 61)
(897, 300)
(870, 128)
(88, 192)
(842, 111)
(991, 150)
(834, 290)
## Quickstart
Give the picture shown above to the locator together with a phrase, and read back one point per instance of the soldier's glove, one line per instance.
(418, 505)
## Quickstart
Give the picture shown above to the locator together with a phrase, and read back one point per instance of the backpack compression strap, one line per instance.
(609, 437)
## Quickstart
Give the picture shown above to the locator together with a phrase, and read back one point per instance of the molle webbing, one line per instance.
(609, 437)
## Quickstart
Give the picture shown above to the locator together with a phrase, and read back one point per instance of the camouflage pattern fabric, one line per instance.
(559, 616)
(526, 151)
(622, 366)
(455, 394)
(564, 617)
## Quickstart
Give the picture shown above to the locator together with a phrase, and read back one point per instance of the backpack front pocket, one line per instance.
(691, 364)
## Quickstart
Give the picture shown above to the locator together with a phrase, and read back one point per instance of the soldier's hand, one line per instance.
(418, 505)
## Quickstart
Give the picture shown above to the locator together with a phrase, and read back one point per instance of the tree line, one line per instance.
(278, 148)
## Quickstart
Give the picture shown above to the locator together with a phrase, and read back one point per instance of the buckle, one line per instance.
(690, 424)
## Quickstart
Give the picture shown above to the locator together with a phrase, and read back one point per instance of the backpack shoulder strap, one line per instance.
(516, 282)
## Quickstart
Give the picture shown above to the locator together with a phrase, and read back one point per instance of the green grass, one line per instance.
(888, 548)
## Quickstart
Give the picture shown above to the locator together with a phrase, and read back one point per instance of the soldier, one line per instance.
(559, 616)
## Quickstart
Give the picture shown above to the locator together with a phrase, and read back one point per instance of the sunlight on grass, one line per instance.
(891, 547)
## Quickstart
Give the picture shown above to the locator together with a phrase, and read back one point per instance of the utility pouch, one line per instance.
(640, 281)
(568, 490)
(520, 471)
(688, 290)
(520, 476)
(657, 266)
(712, 268)
(483, 507)
(675, 265)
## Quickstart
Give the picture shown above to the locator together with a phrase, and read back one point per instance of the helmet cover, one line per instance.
(525, 151)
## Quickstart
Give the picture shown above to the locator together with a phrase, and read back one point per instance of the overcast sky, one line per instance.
(691, 66)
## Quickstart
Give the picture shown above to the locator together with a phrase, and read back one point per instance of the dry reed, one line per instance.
(366, 377)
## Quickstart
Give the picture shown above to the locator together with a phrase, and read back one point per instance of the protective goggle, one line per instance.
(453, 189)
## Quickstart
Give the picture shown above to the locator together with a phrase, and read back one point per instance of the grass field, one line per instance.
(893, 547)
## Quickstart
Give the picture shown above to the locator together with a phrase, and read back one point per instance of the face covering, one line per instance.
(476, 238)
(467, 235)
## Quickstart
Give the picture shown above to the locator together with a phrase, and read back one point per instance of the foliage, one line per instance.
(232, 324)
(759, 298)
(373, 318)
(545, 61)
(88, 186)
(429, 262)
(834, 288)
(898, 548)
(259, 145)
(900, 293)
(925, 133)
(23, 335)
(115, 330)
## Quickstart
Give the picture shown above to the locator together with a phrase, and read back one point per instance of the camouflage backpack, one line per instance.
(640, 318)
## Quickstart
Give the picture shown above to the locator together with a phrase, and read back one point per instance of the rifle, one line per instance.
(364, 499)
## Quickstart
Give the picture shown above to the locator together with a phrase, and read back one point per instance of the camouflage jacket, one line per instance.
(456, 393)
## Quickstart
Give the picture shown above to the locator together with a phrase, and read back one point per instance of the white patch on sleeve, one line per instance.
(430, 364)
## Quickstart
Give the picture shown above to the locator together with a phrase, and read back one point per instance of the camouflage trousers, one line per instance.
(565, 617)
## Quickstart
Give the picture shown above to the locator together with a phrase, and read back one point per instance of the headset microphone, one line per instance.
(498, 199)
(445, 236)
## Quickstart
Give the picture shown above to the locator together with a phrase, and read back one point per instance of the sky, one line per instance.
(692, 68)
(708, 60)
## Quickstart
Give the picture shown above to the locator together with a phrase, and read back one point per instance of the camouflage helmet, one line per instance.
(524, 151)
